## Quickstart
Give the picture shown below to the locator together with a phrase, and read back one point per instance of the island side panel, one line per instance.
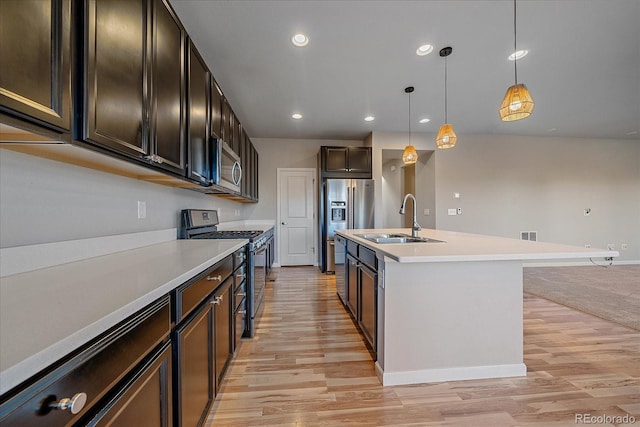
(451, 321)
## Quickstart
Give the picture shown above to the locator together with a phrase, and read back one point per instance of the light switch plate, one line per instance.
(452, 212)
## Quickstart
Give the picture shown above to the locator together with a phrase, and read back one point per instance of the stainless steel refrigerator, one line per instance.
(345, 204)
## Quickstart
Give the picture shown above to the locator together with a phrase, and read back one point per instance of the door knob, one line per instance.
(283, 223)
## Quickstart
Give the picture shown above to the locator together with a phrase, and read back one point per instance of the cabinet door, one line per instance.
(195, 361)
(352, 285)
(146, 400)
(116, 87)
(335, 159)
(236, 138)
(367, 316)
(359, 160)
(223, 329)
(198, 141)
(169, 89)
(226, 122)
(254, 174)
(216, 110)
(35, 60)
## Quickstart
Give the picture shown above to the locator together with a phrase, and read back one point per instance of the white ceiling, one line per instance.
(583, 67)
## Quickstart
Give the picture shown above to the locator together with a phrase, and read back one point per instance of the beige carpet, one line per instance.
(610, 293)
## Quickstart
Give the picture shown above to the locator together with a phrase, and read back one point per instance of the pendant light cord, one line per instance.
(515, 48)
(409, 118)
(445, 90)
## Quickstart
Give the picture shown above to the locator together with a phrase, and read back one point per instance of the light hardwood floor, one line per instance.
(307, 366)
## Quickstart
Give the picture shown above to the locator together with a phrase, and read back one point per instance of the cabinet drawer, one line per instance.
(94, 370)
(189, 295)
(240, 275)
(240, 294)
(352, 248)
(367, 256)
(239, 257)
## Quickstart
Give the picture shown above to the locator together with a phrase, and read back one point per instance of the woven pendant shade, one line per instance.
(517, 103)
(409, 156)
(446, 138)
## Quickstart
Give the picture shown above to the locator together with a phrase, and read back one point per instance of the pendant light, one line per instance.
(447, 137)
(409, 156)
(517, 103)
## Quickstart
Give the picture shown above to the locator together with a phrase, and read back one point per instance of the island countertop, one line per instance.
(457, 246)
(47, 313)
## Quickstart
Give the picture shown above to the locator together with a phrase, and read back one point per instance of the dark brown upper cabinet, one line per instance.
(134, 81)
(346, 162)
(35, 61)
(198, 137)
(226, 125)
(168, 87)
(236, 140)
(216, 110)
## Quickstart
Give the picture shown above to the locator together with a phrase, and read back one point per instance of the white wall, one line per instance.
(43, 201)
(510, 184)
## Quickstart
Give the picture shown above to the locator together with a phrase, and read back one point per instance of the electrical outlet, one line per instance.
(624, 246)
(587, 246)
(142, 209)
(611, 246)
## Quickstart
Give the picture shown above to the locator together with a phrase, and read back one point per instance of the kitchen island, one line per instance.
(451, 309)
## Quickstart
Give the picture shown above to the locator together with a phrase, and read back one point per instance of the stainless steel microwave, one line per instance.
(227, 171)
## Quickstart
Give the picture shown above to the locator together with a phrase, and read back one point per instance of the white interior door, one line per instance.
(296, 216)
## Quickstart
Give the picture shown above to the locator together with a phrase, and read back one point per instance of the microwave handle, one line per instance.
(238, 168)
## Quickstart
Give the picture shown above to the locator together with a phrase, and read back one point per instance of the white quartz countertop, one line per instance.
(247, 225)
(47, 313)
(458, 247)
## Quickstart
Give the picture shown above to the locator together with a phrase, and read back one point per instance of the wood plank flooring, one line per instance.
(308, 366)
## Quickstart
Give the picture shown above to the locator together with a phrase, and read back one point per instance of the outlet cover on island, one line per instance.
(142, 209)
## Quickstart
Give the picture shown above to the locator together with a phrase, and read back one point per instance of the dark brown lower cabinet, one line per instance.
(195, 379)
(352, 285)
(119, 373)
(223, 329)
(362, 292)
(368, 291)
(203, 351)
(146, 400)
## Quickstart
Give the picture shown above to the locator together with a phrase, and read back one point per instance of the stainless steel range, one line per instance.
(203, 224)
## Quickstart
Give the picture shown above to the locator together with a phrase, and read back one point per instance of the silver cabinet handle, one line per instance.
(241, 276)
(241, 294)
(217, 278)
(74, 405)
(242, 312)
(217, 300)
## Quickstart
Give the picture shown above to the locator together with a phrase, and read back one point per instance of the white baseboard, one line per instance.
(21, 259)
(451, 374)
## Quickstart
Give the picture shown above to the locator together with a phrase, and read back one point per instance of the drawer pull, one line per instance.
(218, 300)
(240, 276)
(75, 404)
(242, 312)
(241, 294)
(217, 278)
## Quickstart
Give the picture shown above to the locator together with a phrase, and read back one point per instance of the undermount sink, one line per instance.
(396, 238)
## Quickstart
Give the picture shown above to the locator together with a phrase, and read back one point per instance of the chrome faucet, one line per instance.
(416, 227)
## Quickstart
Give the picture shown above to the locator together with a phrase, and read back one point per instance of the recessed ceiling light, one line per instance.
(423, 50)
(369, 119)
(519, 54)
(296, 116)
(425, 120)
(300, 40)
